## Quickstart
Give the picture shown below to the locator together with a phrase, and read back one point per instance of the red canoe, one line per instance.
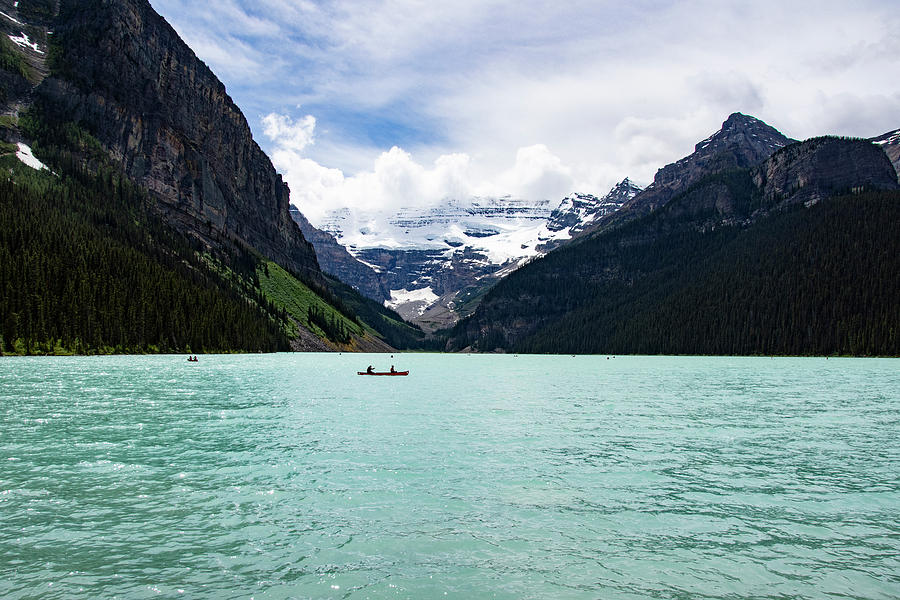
(385, 373)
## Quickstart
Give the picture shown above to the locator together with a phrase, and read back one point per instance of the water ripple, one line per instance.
(286, 476)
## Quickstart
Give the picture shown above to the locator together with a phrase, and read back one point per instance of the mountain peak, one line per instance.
(742, 142)
(737, 119)
(578, 212)
(745, 134)
(624, 187)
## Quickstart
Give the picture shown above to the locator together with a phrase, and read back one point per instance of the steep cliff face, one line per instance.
(123, 74)
(821, 167)
(335, 260)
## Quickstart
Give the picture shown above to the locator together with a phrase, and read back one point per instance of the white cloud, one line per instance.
(290, 135)
(851, 114)
(312, 185)
(537, 174)
(529, 98)
(396, 180)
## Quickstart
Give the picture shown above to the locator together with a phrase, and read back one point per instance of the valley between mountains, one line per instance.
(433, 264)
(138, 214)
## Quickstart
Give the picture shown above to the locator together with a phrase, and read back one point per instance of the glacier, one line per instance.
(428, 258)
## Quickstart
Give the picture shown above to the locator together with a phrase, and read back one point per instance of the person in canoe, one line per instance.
(370, 370)
(392, 369)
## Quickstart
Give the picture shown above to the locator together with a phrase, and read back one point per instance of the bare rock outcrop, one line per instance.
(122, 73)
(823, 167)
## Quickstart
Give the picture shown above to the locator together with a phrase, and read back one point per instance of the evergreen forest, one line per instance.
(803, 281)
(86, 267)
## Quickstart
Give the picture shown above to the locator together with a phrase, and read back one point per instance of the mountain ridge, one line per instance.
(427, 262)
(635, 261)
(743, 141)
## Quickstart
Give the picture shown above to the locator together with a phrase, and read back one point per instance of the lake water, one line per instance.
(288, 476)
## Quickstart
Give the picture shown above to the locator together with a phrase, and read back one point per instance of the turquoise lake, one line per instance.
(289, 476)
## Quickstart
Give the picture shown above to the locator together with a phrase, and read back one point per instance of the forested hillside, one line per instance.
(155, 227)
(87, 268)
(821, 281)
(797, 256)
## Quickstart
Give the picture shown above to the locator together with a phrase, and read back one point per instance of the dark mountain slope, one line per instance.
(578, 297)
(336, 260)
(122, 74)
(815, 281)
(86, 267)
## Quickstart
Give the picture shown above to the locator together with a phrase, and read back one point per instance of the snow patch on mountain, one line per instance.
(24, 41)
(421, 298)
(889, 138)
(17, 22)
(25, 155)
(503, 229)
(460, 244)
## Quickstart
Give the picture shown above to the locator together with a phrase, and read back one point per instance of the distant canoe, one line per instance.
(388, 373)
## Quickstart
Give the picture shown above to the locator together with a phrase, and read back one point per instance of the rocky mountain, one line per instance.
(431, 263)
(335, 260)
(890, 142)
(751, 260)
(422, 257)
(176, 222)
(119, 71)
(580, 212)
(742, 142)
(819, 168)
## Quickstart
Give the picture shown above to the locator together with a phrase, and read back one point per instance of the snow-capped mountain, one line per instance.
(580, 211)
(498, 226)
(428, 259)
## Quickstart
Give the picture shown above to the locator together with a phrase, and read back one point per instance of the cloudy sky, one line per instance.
(400, 102)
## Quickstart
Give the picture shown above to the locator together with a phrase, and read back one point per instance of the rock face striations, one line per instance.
(822, 167)
(123, 74)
